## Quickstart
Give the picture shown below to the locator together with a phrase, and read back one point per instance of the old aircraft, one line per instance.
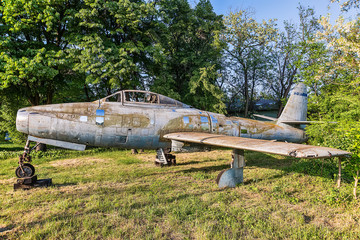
(142, 119)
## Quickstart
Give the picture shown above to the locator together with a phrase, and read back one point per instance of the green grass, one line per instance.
(111, 194)
(9, 146)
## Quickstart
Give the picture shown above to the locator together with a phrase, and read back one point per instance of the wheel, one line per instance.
(29, 171)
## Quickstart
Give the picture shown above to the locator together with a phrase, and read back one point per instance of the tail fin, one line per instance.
(296, 108)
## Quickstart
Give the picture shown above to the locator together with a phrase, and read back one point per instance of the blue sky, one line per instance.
(279, 9)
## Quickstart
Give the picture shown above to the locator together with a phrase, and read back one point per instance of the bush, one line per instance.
(344, 135)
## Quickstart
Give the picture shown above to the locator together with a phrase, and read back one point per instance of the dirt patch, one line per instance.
(146, 157)
(77, 162)
(8, 181)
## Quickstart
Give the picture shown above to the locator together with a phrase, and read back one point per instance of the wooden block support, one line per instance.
(32, 182)
(27, 180)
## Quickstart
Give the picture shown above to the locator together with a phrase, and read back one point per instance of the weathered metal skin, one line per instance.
(259, 145)
(139, 126)
(140, 119)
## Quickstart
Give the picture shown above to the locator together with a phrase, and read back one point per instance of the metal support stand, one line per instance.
(164, 158)
(234, 175)
(339, 174)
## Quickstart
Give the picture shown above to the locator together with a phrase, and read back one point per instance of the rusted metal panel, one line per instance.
(280, 148)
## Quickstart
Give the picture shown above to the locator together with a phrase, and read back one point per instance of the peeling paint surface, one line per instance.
(143, 122)
(280, 148)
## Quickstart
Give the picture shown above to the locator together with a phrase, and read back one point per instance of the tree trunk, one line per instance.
(356, 183)
(251, 102)
(246, 85)
(86, 93)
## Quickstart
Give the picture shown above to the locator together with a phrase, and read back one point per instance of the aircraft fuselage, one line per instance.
(138, 125)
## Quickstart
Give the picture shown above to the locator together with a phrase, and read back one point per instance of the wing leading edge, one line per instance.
(265, 146)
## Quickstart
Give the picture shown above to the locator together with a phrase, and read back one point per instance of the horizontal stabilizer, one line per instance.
(265, 117)
(57, 143)
(303, 122)
(257, 145)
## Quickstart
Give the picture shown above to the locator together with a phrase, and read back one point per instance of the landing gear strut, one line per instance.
(25, 169)
(233, 176)
(164, 158)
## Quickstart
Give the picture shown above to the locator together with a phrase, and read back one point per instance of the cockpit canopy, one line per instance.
(143, 97)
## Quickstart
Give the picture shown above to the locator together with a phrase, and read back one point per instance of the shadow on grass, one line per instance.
(64, 184)
(197, 162)
(5, 229)
(206, 169)
(188, 163)
(326, 168)
(251, 181)
(12, 149)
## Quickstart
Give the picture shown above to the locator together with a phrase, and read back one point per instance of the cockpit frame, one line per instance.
(142, 97)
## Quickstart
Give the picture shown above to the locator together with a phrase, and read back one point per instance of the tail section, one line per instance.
(296, 108)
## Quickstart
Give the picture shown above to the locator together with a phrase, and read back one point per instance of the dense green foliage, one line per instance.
(334, 78)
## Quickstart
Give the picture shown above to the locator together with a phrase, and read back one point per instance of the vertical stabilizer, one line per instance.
(296, 107)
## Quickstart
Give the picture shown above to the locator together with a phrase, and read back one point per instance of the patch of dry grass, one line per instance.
(75, 162)
(116, 195)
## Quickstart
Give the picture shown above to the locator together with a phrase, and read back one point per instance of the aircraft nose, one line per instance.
(22, 121)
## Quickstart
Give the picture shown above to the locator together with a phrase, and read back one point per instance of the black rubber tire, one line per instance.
(29, 171)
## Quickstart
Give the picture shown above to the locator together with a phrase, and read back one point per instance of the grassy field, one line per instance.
(111, 194)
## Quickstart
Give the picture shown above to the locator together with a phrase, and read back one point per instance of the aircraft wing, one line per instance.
(257, 145)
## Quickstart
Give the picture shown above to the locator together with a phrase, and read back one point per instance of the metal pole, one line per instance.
(339, 175)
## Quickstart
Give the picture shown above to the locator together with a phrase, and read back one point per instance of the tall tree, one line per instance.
(33, 39)
(294, 49)
(348, 4)
(114, 41)
(34, 66)
(191, 53)
(247, 42)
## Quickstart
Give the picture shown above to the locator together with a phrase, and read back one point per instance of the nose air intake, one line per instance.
(22, 121)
